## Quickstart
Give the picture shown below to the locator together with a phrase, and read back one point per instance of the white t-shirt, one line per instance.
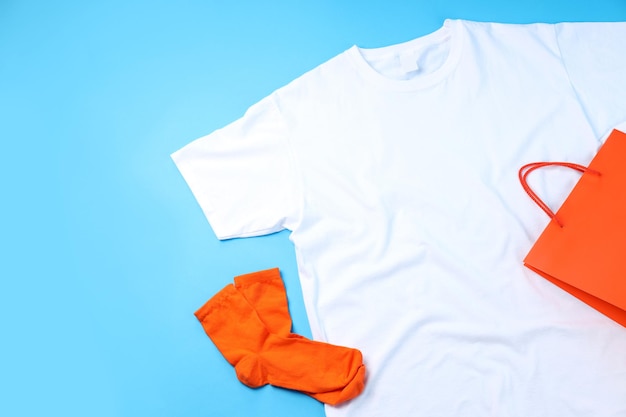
(395, 169)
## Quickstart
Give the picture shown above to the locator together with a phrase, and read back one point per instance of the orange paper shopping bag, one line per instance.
(583, 248)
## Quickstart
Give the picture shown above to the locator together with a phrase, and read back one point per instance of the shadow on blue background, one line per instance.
(105, 253)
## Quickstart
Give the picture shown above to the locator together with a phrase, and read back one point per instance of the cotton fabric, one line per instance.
(395, 169)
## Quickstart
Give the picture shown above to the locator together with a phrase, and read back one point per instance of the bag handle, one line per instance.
(528, 168)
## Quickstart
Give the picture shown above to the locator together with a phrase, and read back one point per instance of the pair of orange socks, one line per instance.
(250, 324)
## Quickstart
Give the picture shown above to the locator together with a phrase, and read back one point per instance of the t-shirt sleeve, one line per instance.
(243, 175)
(594, 55)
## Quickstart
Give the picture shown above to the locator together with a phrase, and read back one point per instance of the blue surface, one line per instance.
(105, 253)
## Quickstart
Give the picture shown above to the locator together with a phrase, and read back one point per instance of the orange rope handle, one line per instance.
(528, 168)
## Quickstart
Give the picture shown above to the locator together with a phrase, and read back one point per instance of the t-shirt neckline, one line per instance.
(449, 31)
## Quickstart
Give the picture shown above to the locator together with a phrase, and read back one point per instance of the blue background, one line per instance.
(105, 254)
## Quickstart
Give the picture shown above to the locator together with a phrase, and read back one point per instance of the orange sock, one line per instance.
(333, 373)
(265, 291)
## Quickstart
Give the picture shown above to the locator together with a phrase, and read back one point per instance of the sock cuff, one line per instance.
(265, 276)
(218, 301)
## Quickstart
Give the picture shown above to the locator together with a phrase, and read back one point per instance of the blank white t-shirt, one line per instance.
(395, 169)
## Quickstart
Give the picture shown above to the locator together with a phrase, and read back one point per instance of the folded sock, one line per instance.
(330, 373)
